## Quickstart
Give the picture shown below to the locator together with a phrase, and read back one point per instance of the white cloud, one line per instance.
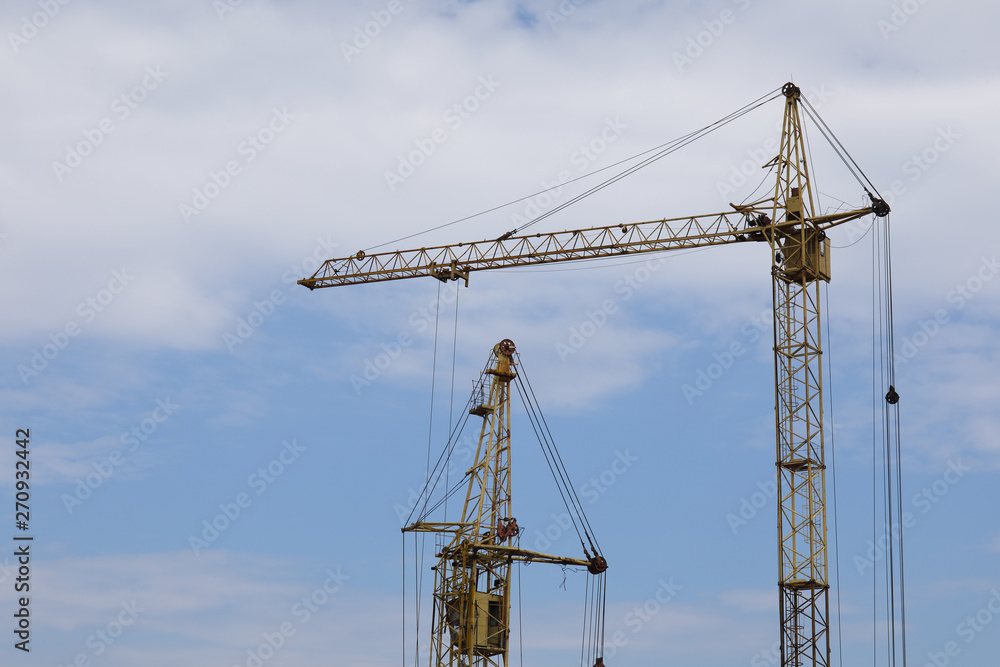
(210, 608)
(324, 177)
(326, 172)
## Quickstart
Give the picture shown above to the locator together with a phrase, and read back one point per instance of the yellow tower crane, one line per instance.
(800, 260)
(471, 615)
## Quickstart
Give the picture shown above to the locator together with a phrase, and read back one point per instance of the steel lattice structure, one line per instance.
(471, 615)
(802, 534)
(800, 254)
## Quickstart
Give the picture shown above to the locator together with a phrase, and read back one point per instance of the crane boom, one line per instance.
(457, 260)
(800, 262)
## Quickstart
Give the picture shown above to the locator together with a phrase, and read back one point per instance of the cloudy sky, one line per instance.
(169, 170)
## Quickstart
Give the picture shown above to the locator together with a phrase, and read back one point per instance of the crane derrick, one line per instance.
(788, 221)
(471, 615)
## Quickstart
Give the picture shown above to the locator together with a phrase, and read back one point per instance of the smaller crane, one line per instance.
(471, 615)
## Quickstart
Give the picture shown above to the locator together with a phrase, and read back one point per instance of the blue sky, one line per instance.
(169, 170)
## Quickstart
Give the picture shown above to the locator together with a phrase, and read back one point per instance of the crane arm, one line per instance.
(486, 543)
(751, 222)
(596, 564)
(527, 556)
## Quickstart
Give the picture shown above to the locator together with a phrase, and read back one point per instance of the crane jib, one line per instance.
(456, 261)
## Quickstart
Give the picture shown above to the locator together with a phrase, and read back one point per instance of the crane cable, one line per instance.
(828, 347)
(403, 597)
(438, 468)
(556, 466)
(595, 595)
(592, 644)
(441, 467)
(418, 559)
(838, 148)
(520, 621)
(886, 443)
(659, 152)
(586, 623)
(451, 397)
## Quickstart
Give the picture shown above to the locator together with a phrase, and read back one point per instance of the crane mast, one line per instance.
(801, 256)
(800, 262)
(471, 614)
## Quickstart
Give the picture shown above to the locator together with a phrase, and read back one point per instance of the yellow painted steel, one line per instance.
(800, 252)
(800, 262)
(457, 261)
(471, 616)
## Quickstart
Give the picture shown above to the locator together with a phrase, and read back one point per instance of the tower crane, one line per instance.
(788, 221)
(471, 610)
